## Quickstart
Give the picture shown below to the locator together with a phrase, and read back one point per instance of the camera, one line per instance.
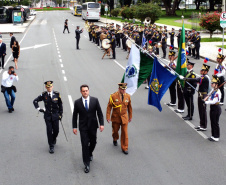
(12, 72)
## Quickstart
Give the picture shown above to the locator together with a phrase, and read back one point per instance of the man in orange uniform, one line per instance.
(121, 115)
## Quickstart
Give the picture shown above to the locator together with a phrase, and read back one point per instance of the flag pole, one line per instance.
(145, 51)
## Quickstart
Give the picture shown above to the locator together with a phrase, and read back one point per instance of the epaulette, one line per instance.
(56, 92)
(44, 92)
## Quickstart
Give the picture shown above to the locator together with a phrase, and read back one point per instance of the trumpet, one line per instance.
(86, 26)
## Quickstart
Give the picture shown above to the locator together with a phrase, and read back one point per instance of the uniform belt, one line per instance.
(203, 92)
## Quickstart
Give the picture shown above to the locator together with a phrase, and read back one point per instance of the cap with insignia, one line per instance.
(122, 86)
(205, 67)
(190, 63)
(172, 53)
(215, 79)
(49, 83)
(220, 56)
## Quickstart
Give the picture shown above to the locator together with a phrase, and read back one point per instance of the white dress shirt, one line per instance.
(51, 93)
(83, 100)
(7, 79)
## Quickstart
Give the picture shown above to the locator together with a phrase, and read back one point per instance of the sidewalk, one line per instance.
(207, 49)
(18, 28)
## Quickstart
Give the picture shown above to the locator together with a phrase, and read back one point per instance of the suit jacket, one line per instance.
(77, 33)
(87, 119)
(12, 41)
(3, 49)
(53, 106)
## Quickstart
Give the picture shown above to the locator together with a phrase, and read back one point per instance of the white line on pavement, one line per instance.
(60, 60)
(61, 65)
(189, 123)
(85, 36)
(58, 52)
(63, 71)
(71, 103)
(59, 56)
(120, 65)
(65, 78)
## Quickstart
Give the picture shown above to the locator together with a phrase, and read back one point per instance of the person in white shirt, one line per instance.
(7, 88)
(220, 72)
(215, 110)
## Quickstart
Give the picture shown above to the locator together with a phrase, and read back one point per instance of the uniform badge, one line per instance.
(116, 99)
(55, 99)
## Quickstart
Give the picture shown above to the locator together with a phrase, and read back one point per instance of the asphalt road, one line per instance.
(163, 148)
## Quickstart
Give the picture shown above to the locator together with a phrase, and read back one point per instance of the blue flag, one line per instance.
(160, 81)
(143, 40)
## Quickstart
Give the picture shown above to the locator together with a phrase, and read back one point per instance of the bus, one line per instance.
(77, 10)
(91, 11)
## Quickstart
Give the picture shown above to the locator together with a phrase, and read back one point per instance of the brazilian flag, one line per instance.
(181, 68)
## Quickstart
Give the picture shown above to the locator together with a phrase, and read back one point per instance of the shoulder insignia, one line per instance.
(43, 93)
(192, 76)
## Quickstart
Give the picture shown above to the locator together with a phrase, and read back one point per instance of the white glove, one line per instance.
(181, 77)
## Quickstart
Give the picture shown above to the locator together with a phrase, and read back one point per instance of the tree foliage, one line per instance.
(170, 9)
(115, 12)
(210, 22)
(148, 10)
(128, 12)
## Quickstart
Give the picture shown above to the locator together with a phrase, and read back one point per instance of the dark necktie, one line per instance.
(122, 97)
(86, 105)
(50, 96)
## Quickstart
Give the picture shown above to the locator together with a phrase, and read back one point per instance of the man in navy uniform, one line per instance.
(53, 112)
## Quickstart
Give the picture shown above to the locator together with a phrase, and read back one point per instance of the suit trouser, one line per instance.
(118, 42)
(193, 52)
(172, 42)
(52, 129)
(180, 96)
(88, 140)
(2, 61)
(222, 89)
(189, 50)
(202, 112)
(215, 112)
(164, 50)
(113, 52)
(77, 42)
(90, 36)
(172, 90)
(66, 28)
(197, 51)
(190, 103)
(124, 134)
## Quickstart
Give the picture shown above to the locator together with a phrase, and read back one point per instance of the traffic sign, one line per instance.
(22, 9)
(106, 8)
(223, 20)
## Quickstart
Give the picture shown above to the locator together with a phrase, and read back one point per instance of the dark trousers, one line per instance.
(189, 50)
(52, 129)
(202, 112)
(164, 51)
(113, 52)
(124, 44)
(98, 41)
(88, 140)
(66, 28)
(172, 42)
(77, 42)
(157, 51)
(180, 96)
(190, 103)
(90, 36)
(197, 51)
(222, 89)
(215, 112)
(172, 90)
(193, 52)
(118, 42)
(2, 61)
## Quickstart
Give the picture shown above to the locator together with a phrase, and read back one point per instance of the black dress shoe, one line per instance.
(10, 111)
(86, 170)
(54, 142)
(115, 143)
(51, 150)
(198, 127)
(187, 118)
(91, 158)
(125, 152)
(211, 139)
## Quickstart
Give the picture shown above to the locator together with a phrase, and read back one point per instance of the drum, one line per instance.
(103, 36)
(159, 45)
(192, 46)
(129, 43)
(189, 43)
(105, 44)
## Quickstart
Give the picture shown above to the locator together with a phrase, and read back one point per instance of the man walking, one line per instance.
(2, 53)
(77, 36)
(121, 103)
(7, 88)
(53, 112)
(88, 109)
(66, 26)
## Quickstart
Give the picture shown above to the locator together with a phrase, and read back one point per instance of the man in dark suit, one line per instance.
(53, 112)
(88, 109)
(77, 36)
(2, 53)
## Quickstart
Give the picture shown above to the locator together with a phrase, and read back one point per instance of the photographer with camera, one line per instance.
(7, 87)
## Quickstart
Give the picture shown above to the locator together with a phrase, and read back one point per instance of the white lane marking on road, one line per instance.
(57, 49)
(120, 65)
(60, 60)
(61, 65)
(58, 52)
(85, 36)
(71, 103)
(188, 122)
(63, 72)
(59, 56)
(65, 78)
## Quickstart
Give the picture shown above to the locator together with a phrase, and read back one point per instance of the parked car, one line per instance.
(33, 12)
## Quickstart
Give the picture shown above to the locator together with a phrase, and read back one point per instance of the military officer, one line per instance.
(197, 44)
(215, 109)
(53, 112)
(178, 38)
(189, 91)
(164, 44)
(121, 103)
(113, 45)
(220, 72)
(203, 90)
(172, 34)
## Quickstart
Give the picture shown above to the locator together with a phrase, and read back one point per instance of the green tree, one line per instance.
(151, 10)
(210, 22)
(170, 6)
(115, 12)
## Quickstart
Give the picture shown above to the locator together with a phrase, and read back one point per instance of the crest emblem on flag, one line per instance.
(155, 86)
(131, 71)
